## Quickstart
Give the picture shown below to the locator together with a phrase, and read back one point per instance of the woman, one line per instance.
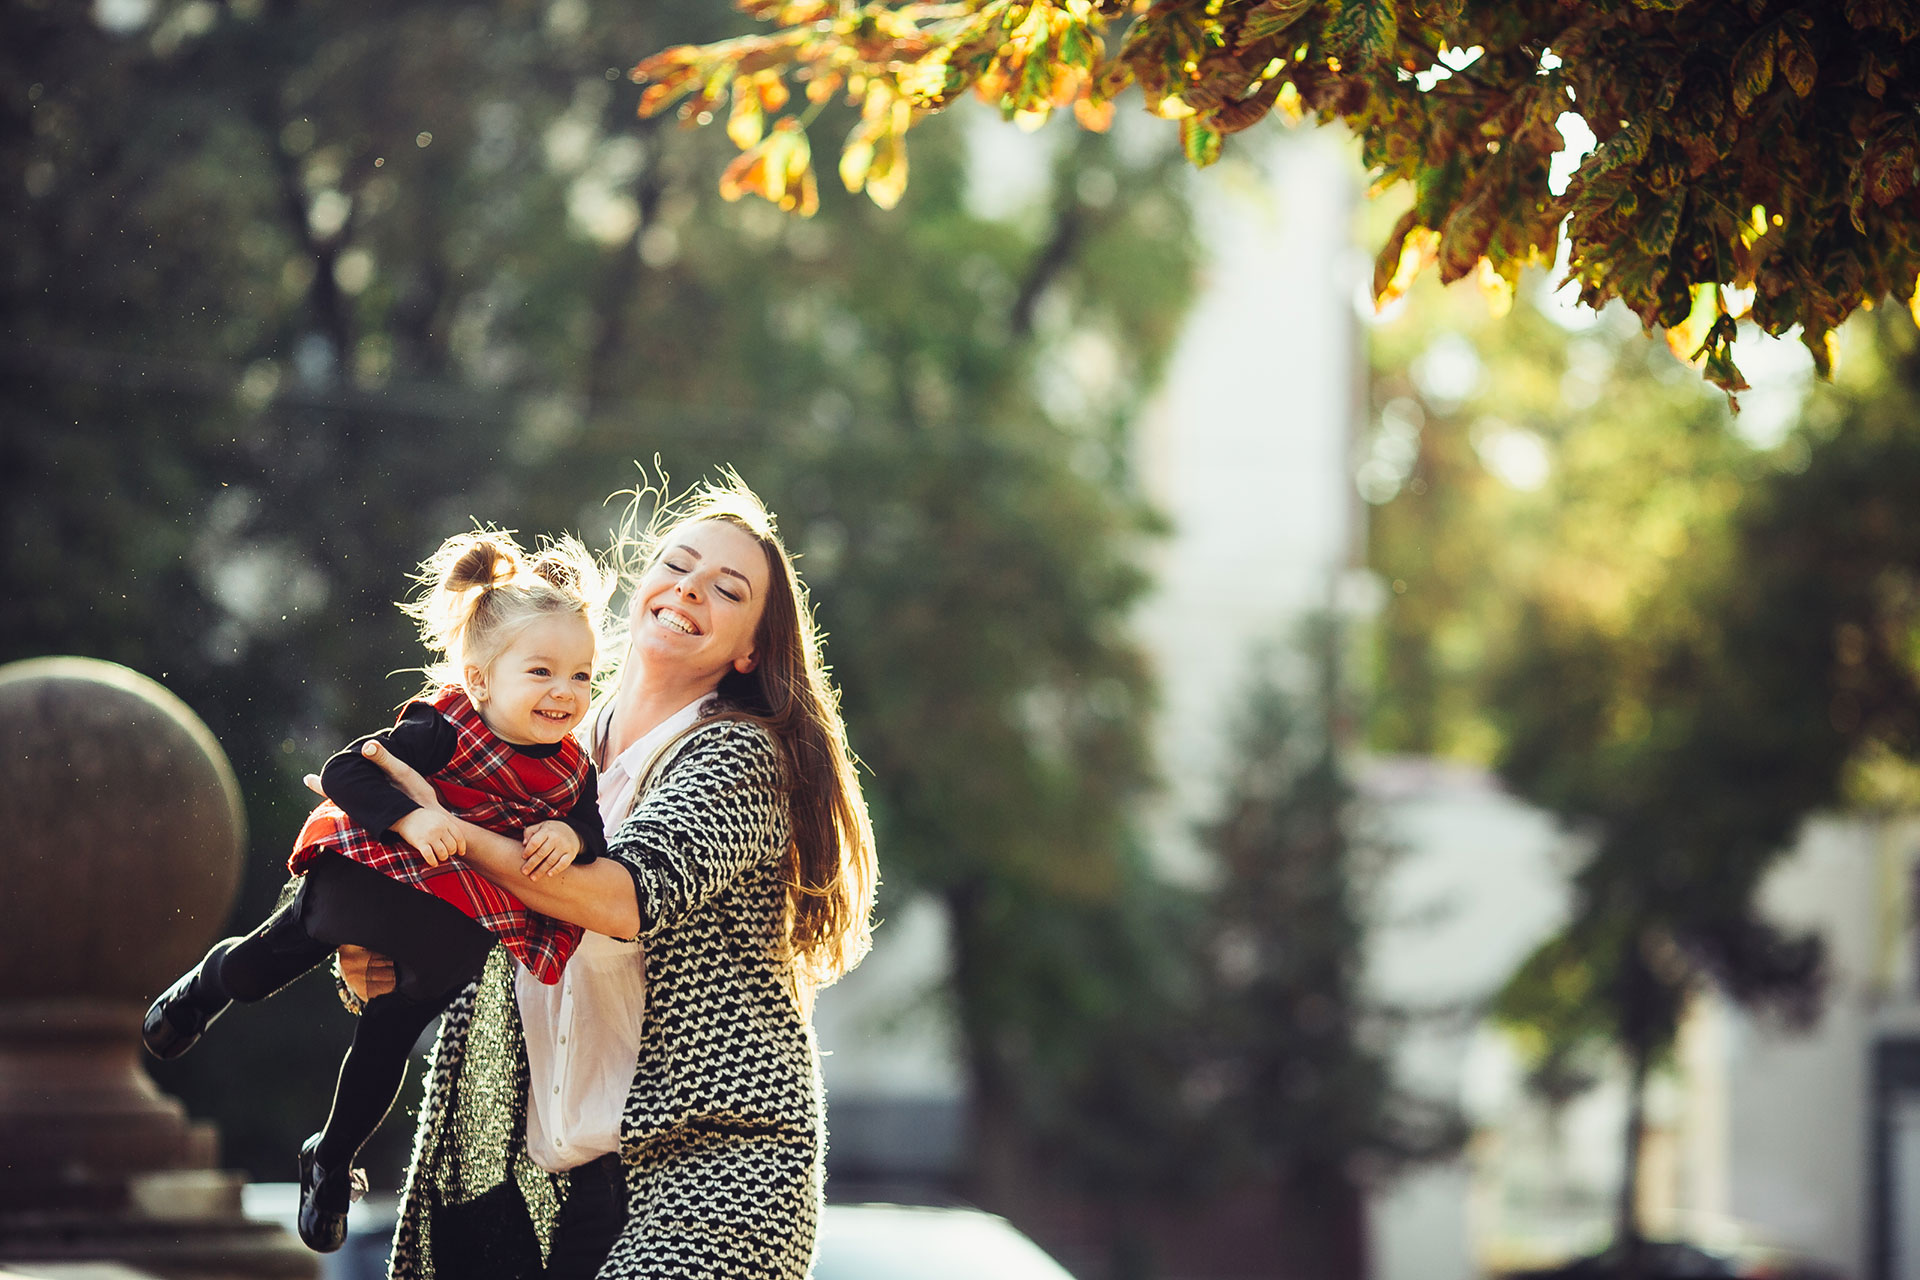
(740, 859)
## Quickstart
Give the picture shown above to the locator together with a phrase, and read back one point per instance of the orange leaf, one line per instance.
(1096, 117)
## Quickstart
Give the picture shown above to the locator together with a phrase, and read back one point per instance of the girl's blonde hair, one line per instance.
(480, 590)
(830, 867)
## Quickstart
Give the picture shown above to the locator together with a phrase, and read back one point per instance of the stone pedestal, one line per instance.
(120, 835)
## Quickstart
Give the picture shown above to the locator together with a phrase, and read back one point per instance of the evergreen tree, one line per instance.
(1301, 1099)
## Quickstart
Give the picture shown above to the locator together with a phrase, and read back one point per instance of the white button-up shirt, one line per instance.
(583, 1032)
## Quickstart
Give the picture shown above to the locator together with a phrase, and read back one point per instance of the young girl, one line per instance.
(517, 634)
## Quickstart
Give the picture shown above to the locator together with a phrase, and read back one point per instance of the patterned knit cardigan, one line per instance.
(724, 1132)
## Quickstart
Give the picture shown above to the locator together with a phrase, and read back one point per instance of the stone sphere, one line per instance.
(123, 833)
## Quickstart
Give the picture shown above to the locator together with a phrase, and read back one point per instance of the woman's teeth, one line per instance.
(673, 621)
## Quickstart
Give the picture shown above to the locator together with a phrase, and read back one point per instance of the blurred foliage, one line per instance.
(1753, 158)
(1682, 643)
(293, 290)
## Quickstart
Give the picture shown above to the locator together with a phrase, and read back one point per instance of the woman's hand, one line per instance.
(406, 779)
(366, 973)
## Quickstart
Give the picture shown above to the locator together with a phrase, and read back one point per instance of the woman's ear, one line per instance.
(746, 664)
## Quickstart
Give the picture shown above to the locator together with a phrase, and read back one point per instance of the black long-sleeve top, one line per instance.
(426, 740)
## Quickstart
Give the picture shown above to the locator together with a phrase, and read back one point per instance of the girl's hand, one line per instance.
(551, 848)
(433, 834)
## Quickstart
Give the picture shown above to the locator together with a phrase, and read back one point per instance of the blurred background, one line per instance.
(1408, 795)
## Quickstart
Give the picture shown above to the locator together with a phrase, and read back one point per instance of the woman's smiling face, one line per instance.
(698, 607)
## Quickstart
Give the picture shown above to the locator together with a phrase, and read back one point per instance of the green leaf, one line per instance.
(1752, 69)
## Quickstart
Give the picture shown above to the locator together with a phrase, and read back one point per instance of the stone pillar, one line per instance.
(120, 837)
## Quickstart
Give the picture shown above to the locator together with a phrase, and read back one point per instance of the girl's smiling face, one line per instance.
(538, 688)
(697, 609)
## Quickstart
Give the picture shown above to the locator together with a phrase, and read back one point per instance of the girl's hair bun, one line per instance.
(562, 571)
(477, 560)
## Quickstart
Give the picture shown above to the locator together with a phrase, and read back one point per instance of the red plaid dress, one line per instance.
(491, 785)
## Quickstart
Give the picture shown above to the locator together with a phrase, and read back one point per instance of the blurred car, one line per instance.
(906, 1242)
(1680, 1260)
(857, 1241)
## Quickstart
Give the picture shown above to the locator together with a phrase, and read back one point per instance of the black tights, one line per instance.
(436, 951)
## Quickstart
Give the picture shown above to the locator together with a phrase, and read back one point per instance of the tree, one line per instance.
(291, 291)
(1561, 578)
(1755, 158)
(1301, 1098)
(1681, 643)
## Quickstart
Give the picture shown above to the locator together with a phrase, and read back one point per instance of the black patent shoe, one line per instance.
(176, 1021)
(324, 1196)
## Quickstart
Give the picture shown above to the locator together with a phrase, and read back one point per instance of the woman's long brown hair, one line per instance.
(830, 868)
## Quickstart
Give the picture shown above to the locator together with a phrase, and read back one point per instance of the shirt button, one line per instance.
(563, 1039)
(556, 1088)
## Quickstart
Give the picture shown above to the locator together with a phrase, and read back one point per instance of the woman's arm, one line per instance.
(599, 896)
(716, 811)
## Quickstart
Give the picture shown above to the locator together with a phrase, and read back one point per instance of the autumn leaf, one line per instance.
(1797, 63)
(1658, 233)
(1466, 233)
(778, 168)
(1888, 166)
(1095, 117)
(1688, 339)
(1386, 264)
(1752, 69)
(1200, 142)
(1693, 134)
(1626, 148)
(747, 120)
(1363, 31)
(887, 180)
(1270, 18)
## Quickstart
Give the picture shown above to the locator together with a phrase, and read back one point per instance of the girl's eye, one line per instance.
(583, 676)
(539, 671)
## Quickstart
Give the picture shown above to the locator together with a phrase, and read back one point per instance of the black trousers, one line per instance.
(436, 952)
(590, 1221)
